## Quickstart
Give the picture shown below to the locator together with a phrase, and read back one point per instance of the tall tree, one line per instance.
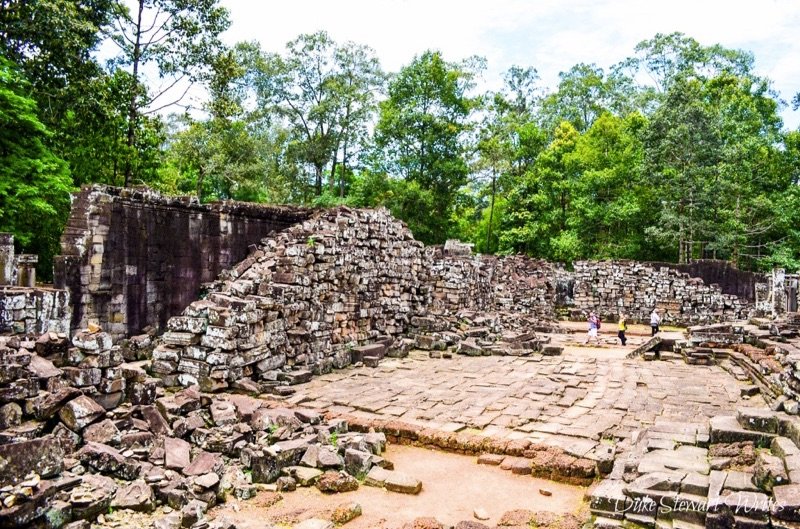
(176, 38)
(34, 183)
(326, 94)
(422, 130)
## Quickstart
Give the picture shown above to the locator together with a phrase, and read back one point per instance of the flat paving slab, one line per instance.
(574, 400)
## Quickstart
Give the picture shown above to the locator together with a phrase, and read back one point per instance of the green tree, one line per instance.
(325, 93)
(176, 38)
(612, 200)
(421, 133)
(34, 183)
(539, 207)
(53, 42)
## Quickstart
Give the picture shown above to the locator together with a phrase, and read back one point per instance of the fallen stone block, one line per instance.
(44, 457)
(24, 514)
(92, 497)
(304, 476)
(107, 460)
(769, 472)
(758, 420)
(399, 482)
(345, 513)
(138, 496)
(177, 453)
(80, 412)
(334, 482)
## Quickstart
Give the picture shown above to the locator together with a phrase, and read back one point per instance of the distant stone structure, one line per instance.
(16, 270)
(24, 307)
(635, 288)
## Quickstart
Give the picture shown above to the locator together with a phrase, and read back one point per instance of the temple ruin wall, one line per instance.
(131, 258)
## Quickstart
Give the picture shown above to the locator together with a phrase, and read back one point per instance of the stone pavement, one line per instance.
(572, 401)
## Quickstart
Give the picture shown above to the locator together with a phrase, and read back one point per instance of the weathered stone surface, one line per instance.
(158, 425)
(138, 496)
(304, 476)
(787, 503)
(80, 412)
(400, 482)
(25, 513)
(93, 496)
(107, 460)
(207, 481)
(345, 513)
(376, 477)
(769, 472)
(203, 463)
(44, 457)
(105, 432)
(332, 481)
(177, 453)
(357, 462)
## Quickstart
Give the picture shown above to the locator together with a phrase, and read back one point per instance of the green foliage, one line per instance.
(34, 183)
(421, 134)
(677, 152)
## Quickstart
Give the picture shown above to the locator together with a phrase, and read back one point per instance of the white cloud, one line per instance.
(549, 35)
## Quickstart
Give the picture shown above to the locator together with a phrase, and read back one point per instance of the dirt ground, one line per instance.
(453, 487)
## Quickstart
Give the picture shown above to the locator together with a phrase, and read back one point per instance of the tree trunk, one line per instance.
(318, 179)
(332, 180)
(132, 110)
(491, 213)
(344, 168)
(200, 177)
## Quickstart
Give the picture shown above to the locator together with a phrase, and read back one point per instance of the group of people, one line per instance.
(622, 326)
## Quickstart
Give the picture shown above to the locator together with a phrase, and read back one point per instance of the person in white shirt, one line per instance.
(655, 321)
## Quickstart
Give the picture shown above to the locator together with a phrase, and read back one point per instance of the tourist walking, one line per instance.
(623, 326)
(655, 321)
(593, 324)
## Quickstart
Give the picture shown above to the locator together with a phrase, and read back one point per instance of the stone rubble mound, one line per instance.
(345, 286)
(739, 471)
(474, 333)
(637, 288)
(85, 433)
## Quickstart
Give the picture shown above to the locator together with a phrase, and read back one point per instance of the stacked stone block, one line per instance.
(637, 288)
(25, 310)
(301, 300)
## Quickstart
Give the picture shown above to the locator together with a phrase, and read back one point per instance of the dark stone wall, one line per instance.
(730, 279)
(132, 258)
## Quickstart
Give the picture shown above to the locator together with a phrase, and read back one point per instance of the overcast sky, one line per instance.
(550, 35)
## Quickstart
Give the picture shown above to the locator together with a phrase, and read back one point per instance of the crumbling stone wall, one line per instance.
(131, 258)
(304, 298)
(25, 310)
(636, 288)
(485, 282)
(731, 280)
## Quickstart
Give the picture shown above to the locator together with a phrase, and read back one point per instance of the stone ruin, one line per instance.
(24, 307)
(130, 258)
(344, 286)
(611, 287)
(95, 420)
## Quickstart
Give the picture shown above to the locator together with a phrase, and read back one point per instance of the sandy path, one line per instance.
(453, 486)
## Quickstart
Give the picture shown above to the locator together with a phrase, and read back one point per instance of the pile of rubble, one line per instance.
(302, 300)
(521, 285)
(474, 333)
(83, 433)
(741, 471)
